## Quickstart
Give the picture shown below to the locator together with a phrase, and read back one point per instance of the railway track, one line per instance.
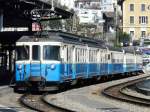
(116, 91)
(37, 103)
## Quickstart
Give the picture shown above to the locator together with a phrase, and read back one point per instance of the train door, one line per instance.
(96, 52)
(68, 61)
(109, 62)
(87, 61)
(104, 64)
(65, 65)
(106, 61)
(98, 61)
(35, 63)
(92, 64)
(78, 62)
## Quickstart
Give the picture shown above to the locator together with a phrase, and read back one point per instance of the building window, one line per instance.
(143, 19)
(143, 33)
(132, 34)
(131, 19)
(131, 7)
(142, 7)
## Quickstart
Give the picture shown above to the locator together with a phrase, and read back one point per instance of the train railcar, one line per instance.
(132, 61)
(57, 58)
(115, 61)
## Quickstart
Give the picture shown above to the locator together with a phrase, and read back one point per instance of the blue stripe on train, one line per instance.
(130, 67)
(44, 70)
(70, 71)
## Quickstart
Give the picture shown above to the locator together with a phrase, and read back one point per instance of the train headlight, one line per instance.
(52, 66)
(19, 67)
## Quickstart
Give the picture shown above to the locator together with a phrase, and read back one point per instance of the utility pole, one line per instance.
(116, 22)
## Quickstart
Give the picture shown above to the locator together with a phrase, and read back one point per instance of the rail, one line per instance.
(38, 103)
(116, 92)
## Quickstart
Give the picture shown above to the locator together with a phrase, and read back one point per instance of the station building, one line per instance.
(136, 18)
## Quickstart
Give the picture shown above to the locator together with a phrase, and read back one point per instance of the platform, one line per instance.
(90, 99)
(80, 101)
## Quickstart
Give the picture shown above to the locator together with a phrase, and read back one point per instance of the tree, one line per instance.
(122, 37)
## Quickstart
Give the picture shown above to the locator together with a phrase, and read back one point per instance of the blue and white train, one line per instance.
(59, 58)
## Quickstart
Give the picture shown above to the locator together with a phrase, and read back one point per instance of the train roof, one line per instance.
(62, 37)
(69, 38)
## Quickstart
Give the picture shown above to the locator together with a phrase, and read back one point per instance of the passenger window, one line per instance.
(51, 52)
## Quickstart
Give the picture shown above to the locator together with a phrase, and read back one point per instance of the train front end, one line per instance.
(37, 65)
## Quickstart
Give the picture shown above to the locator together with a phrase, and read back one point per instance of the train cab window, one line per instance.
(36, 52)
(22, 53)
(51, 52)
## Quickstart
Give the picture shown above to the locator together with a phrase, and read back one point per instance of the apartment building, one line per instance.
(136, 18)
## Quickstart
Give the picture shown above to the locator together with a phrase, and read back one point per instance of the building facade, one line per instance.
(108, 5)
(89, 11)
(136, 18)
